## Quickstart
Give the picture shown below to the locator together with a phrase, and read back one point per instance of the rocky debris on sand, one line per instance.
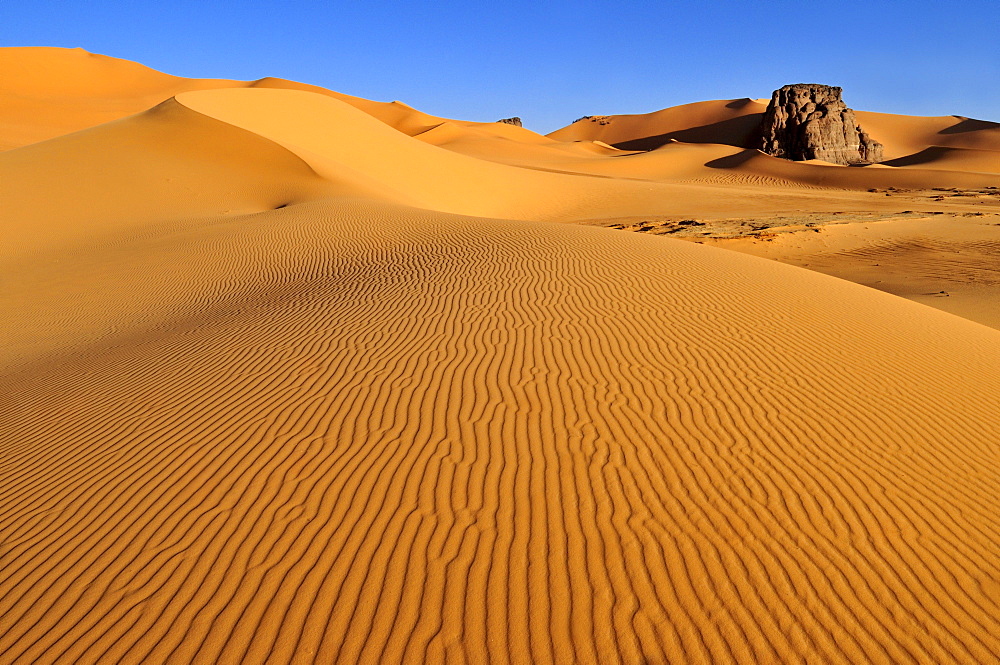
(599, 119)
(511, 121)
(810, 121)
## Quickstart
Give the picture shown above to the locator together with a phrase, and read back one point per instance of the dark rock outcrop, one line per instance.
(511, 121)
(811, 121)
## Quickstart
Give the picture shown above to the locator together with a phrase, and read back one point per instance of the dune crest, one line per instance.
(334, 137)
(163, 165)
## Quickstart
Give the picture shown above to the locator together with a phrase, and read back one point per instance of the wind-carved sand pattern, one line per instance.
(342, 390)
(425, 438)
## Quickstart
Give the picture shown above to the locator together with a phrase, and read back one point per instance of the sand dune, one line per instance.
(48, 92)
(730, 122)
(164, 165)
(953, 159)
(294, 377)
(907, 139)
(904, 135)
(413, 437)
(335, 138)
(953, 167)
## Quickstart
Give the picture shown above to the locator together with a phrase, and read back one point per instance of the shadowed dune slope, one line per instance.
(904, 135)
(954, 159)
(165, 165)
(954, 167)
(364, 433)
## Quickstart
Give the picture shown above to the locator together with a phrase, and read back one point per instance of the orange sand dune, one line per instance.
(347, 147)
(291, 378)
(734, 122)
(731, 122)
(166, 164)
(671, 162)
(333, 137)
(407, 437)
(48, 92)
(904, 135)
(405, 118)
(952, 159)
(930, 168)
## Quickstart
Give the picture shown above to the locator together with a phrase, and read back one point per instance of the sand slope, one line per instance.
(166, 164)
(948, 264)
(412, 437)
(955, 159)
(336, 138)
(729, 121)
(270, 393)
(904, 135)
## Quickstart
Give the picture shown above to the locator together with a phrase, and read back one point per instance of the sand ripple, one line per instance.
(407, 437)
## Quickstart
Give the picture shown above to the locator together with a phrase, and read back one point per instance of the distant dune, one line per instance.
(729, 122)
(292, 376)
(734, 122)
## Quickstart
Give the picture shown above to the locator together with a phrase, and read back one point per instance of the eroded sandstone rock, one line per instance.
(511, 121)
(811, 121)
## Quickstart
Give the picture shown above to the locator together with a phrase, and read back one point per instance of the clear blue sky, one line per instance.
(551, 62)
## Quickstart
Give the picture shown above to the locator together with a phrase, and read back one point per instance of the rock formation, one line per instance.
(810, 121)
(511, 121)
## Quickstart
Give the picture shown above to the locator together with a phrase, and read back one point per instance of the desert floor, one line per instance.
(293, 376)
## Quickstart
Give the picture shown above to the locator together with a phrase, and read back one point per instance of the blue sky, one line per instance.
(551, 62)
